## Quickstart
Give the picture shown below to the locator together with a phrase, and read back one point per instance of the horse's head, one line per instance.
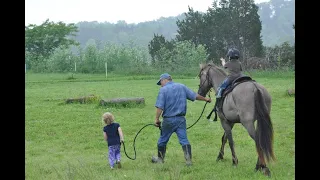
(205, 82)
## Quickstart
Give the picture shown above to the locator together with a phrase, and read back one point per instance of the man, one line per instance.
(172, 105)
(233, 67)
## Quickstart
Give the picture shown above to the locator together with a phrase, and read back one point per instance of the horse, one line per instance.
(247, 102)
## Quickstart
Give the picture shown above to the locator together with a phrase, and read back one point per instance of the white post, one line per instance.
(106, 64)
(75, 66)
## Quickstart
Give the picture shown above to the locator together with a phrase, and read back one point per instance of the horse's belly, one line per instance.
(230, 111)
(231, 115)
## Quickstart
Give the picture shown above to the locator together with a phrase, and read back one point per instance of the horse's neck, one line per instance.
(217, 78)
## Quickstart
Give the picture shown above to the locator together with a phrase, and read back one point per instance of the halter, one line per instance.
(207, 79)
(210, 81)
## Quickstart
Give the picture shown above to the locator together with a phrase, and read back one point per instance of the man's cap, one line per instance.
(163, 76)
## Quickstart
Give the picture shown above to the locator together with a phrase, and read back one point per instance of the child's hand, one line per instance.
(222, 61)
(122, 140)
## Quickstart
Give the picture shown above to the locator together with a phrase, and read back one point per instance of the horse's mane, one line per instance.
(215, 66)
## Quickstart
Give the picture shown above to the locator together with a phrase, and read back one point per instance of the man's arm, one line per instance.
(158, 114)
(201, 98)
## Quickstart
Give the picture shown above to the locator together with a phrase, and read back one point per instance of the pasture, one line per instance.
(65, 141)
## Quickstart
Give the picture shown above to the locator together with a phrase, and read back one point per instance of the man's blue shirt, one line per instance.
(172, 99)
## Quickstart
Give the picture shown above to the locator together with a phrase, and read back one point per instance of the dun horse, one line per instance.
(247, 102)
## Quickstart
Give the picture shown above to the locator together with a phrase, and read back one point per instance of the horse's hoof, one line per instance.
(266, 172)
(235, 162)
(220, 157)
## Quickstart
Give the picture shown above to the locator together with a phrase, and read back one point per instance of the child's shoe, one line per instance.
(118, 163)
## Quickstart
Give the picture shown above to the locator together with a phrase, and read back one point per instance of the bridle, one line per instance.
(207, 79)
(212, 85)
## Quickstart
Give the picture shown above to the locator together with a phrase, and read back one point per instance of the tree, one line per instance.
(41, 41)
(156, 44)
(216, 20)
(245, 21)
(226, 24)
(191, 28)
(183, 57)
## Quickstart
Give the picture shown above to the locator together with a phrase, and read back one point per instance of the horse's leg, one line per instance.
(221, 153)
(224, 141)
(227, 130)
(261, 164)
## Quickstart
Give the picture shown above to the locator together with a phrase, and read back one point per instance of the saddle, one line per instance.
(237, 81)
(219, 102)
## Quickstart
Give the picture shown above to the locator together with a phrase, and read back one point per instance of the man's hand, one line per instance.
(157, 122)
(122, 140)
(208, 100)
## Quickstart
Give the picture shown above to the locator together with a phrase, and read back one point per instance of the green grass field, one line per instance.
(65, 141)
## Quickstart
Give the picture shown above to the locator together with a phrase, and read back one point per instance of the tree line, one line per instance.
(51, 47)
(277, 17)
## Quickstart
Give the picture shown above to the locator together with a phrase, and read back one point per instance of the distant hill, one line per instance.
(277, 18)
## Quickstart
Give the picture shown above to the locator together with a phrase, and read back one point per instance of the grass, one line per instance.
(65, 141)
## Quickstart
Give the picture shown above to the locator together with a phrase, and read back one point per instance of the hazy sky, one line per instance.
(132, 11)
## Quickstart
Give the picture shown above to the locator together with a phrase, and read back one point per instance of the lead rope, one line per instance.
(134, 141)
(201, 112)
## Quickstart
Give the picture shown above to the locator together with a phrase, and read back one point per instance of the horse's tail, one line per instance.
(264, 133)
